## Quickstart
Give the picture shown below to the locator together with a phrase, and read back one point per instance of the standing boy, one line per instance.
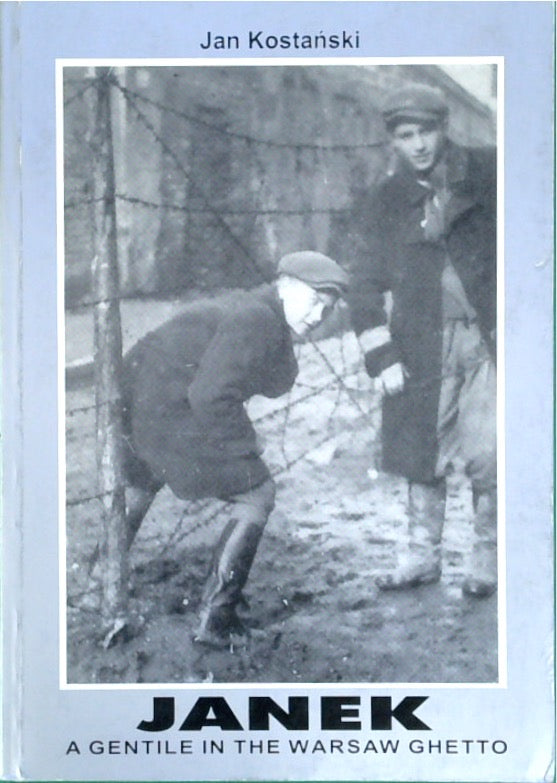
(427, 234)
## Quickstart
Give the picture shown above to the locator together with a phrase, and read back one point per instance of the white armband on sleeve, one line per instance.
(371, 339)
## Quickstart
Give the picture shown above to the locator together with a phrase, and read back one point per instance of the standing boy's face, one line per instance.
(419, 144)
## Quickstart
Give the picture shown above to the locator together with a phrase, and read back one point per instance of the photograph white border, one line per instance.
(62, 63)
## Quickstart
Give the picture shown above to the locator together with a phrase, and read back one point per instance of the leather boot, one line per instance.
(482, 572)
(421, 563)
(228, 573)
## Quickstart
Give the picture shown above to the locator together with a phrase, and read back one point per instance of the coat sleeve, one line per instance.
(370, 280)
(230, 372)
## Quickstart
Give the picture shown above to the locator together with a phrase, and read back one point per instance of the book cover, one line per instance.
(278, 391)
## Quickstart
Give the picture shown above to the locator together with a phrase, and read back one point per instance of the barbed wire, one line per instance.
(217, 213)
(256, 420)
(179, 535)
(87, 498)
(313, 392)
(339, 391)
(79, 94)
(253, 263)
(197, 189)
(289, 464)
(247, 255)
(296, 145)
(333, 371)
(75, 203)
(285, 410)
(85, 408)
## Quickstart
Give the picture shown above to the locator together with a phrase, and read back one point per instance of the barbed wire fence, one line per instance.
(336, 371)
(339, 373)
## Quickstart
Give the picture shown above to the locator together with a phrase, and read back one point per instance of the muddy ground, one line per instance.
(315, 613)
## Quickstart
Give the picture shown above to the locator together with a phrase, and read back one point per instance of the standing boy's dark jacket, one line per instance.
(185, 388)
(394, 255)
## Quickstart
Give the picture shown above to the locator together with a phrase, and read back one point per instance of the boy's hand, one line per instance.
(391, 380)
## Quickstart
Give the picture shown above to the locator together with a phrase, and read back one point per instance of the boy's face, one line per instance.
(304, 307)
(420, 144)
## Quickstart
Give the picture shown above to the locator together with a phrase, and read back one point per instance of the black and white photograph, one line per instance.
(280, 318)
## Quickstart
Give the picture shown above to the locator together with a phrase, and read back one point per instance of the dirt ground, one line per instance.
(315, 613)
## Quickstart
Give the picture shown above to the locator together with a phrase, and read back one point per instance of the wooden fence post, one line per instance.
(108, 364)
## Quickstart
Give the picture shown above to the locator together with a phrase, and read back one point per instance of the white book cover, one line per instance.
(278, 391)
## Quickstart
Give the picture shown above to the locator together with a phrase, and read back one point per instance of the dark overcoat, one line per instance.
(391, 253)
(185, 388)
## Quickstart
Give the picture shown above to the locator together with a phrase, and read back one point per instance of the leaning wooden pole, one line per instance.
(108, 363)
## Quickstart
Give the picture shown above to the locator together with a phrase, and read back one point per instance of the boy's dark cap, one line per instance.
(415, 103)
(316, 269)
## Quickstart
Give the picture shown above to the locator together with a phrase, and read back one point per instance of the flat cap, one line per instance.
(415, 103)
(316, 269)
